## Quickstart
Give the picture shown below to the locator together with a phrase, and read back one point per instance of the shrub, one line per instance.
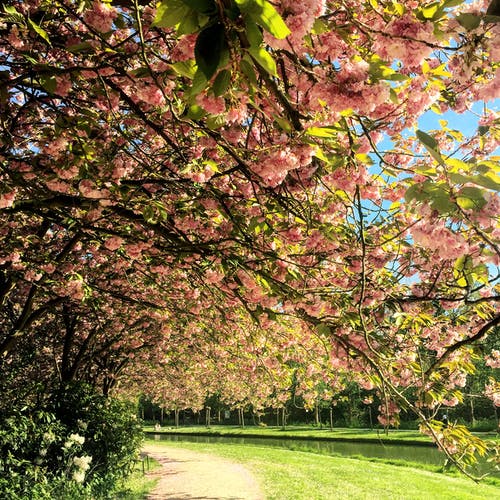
(79, 446)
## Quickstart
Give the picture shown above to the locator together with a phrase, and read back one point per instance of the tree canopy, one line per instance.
(240, 194)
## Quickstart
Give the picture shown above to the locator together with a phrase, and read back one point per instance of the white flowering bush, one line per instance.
(77, 448)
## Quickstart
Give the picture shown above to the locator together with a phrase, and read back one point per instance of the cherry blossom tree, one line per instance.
(192, 166)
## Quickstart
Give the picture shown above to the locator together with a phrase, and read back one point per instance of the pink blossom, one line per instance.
(89, 189)
(100, 16)
(7, 199)
(113, 243)
(14, 38)
(493, 360)
(58, 186)
(184, 50)
(211, 104)
(63, 84)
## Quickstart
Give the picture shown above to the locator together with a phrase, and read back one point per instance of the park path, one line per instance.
(188, 475)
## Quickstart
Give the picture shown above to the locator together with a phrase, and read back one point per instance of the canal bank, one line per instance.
(387, 448)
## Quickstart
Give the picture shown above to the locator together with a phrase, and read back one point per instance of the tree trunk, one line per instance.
(473, 417)
(207, 416)
(176, 418)
(331, 418)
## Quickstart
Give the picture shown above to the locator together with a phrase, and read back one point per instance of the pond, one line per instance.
(410, 453)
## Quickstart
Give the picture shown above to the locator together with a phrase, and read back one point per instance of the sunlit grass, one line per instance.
(286, 474)
(138, 485)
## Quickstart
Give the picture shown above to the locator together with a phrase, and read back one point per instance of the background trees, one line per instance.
(173, 172)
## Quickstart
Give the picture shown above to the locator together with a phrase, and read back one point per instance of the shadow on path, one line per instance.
(188, 475)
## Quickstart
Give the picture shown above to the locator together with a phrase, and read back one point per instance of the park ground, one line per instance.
(199, 470)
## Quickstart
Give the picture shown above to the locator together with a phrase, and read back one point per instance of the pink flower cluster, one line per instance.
(438, 237)
(405, 39)
(274, 166)
(89, 189)
(492, 391)
(299, 17)
(211, 104)
(7, 199)
(493, 360)
(100, 16)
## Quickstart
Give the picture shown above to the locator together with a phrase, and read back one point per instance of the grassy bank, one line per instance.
(299, 432)
(296, 475)
(138, 485)
(308, 432)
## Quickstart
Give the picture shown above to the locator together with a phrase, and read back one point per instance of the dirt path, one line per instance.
(187, 475)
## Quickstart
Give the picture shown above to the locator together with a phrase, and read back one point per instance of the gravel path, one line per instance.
(188, 475)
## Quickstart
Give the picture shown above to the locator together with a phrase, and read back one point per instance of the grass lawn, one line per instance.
(295, 475)
(308, 432)
(137, 485)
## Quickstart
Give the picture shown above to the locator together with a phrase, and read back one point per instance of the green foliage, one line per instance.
(265, 15)
(36, 458)
(78, 446)
(211, 50)
(113, 433)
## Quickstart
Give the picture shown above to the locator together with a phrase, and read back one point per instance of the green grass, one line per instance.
(138, 485)
(296, 475)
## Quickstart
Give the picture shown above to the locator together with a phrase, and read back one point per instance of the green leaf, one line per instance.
(49, 83)
(430, 10)
(149, 214)
(254, 34)
(189, 24)
(459, 178)
(440, 200)
(170, 13)
(206, 7)
(37, 29)
(469, 21)
(431, 145)
(13, 16)
(283, 124)
(427, 140)
(210, 48)
(323, 329)
(199, 83)
(248, 70)
(264, 59)
(80, 47)
(471, 198)
(185, 68)
(489, 181)
(452, 3)
(216, 121)
(221, 82)
(480, 273)
(461, 270)
(326, 132)
(265, 15)
(320, 26)
(195, 112)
